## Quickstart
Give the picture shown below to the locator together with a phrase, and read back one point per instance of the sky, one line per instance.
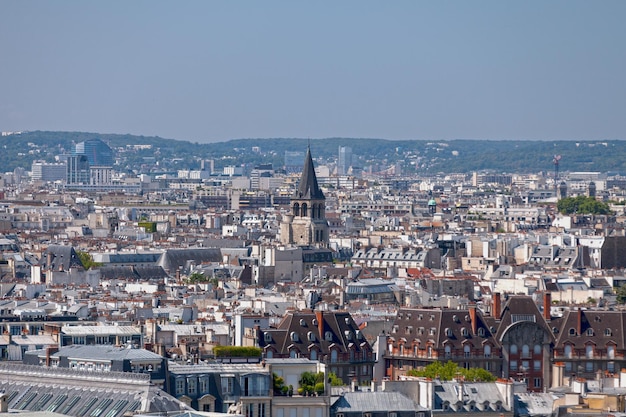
(208, 71)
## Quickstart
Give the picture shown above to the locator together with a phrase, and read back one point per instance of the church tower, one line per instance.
(306, 224)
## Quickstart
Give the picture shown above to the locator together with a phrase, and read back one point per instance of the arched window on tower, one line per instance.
(296, 209)
(304, 212)
(320, 211)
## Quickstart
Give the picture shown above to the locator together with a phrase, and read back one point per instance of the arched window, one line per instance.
(293, 353)
(429, 352)
(320, 211)
(304, 211)
(589, 351)
(448, 351)
(466, 351)
(296, 209)
(513, 349)
(487, 351)
(333, 356)
(314, 355)
(525, 351)
(537, 349)
(610, 352)
(567, 351)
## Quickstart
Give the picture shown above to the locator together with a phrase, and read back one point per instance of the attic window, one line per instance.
(409, 329)
(302, 323)
(455, 318)
(448, 332)
(294, 336)
(432, 317)
(420, 330)
(608, 332)
(328, 336)
(347, 320)
(481, 332)
(420, 317)
(314, 322)
(467, 318)
(267, 337)
(311, 336)
(590, 332)
(394, 329)
(348, 334)
(464, 332)
(572, 332)
(432, 331)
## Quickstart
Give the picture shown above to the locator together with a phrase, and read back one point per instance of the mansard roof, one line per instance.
(308, 187)
(601, 328)
(302, 330)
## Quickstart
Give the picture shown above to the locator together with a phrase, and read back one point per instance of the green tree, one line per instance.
(450, 370)
(335, 381)
(87, 260)
(582, 205)
(621, 294)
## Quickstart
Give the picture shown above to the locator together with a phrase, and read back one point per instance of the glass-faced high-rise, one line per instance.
(97, 152)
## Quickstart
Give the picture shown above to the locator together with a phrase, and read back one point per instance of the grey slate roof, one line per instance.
(76, 393)
(60, 258)
(96, 352)
(359, 401)
(173, 259)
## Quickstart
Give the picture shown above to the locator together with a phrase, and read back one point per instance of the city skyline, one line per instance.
(212, 71)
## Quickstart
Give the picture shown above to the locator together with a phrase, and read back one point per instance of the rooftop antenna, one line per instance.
(555, 161)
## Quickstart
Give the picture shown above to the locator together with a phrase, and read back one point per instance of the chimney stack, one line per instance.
(473, 318)
(319, 315)
(547, 302)
(497, 305)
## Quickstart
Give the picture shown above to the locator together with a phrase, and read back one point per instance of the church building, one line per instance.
(306, 224)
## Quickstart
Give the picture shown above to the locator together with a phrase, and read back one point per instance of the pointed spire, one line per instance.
(308, 187)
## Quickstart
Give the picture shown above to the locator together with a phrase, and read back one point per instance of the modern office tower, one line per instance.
(100, 175)
(344, 160)
(78, 170)
(293, 161)
(207, 165)
(97, 152)
(44, 171)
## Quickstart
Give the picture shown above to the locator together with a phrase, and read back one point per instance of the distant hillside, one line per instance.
(414, 155)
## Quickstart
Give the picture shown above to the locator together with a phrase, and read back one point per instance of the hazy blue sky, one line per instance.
(208, 70)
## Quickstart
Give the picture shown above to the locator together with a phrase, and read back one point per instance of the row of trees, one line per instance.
(582, 205)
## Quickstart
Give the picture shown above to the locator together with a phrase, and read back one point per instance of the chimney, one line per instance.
(558, 372)
(547, 302)
(497, 303)
(319, 315)
(579, 322)
(473, 319)
(50, 350)
(353, 385)
(373, 389)
(4, 404)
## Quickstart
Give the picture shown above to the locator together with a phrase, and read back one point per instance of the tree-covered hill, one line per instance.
(20, 150)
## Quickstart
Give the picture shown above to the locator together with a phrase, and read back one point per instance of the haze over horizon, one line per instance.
(208, 71)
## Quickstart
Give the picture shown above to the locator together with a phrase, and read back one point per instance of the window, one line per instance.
(487, 351)
(466, 351)
(464, 332)
(513, 349)
(610, 352)
(313, 355)
(589, 351)
(572, 332)
(589, 366)
(513, 365)
(227, 385)
(590, 332)
(481, 332)
(203, 385)
(537, 365)
(567, 351)
(429, 352)
(333, 356)
(180, 386)
(608, 332)
(448, 351)
(525, 351)
(537, 382)
(191, 386)
(537, 349)
(293, 354)
(261, 408)
(269, 354)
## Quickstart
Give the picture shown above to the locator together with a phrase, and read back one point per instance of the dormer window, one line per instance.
(572, 332)
(449, 332)
(311, 336)
(294, 337)
(348, 334)
(302, 323)
(267, 337)
(328, 336)
(608, 332)
(481, 332)
(589, 332)
(347, 320)
(464, 332)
